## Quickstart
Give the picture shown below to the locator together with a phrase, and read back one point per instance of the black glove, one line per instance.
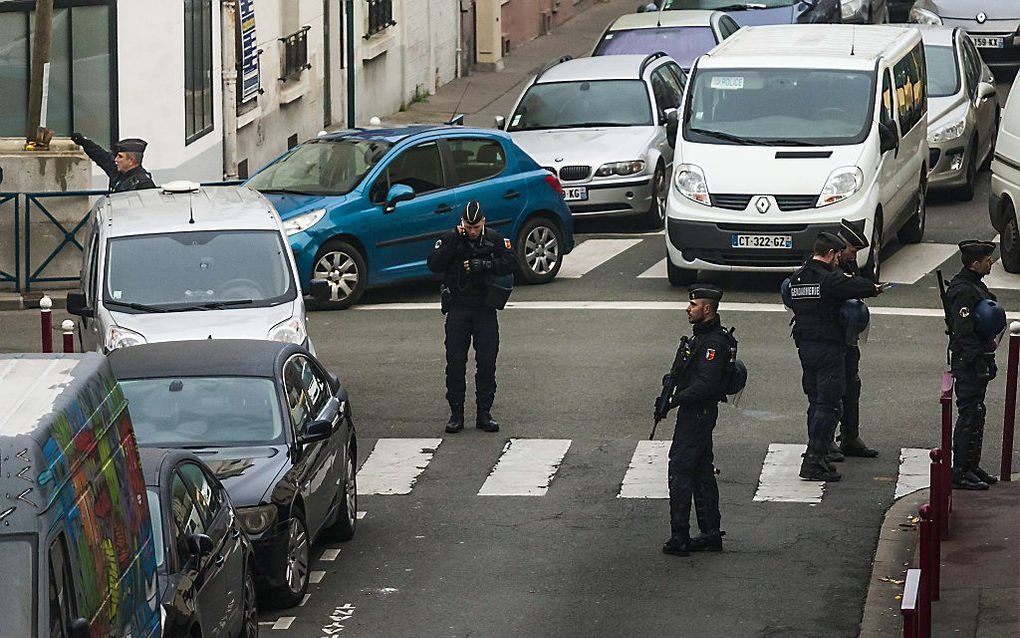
(477, 265)
(661, 408)
(78, 139)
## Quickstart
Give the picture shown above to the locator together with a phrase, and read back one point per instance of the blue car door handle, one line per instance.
(443, 208)
(511, 194)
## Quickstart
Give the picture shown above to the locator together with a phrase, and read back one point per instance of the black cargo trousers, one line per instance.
(467, 324)
(691, 471)
(823, 378)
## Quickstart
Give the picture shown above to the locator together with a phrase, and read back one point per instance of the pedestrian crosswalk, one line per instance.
(906, 264)
(529, 467)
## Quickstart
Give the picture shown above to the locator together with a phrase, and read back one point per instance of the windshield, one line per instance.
(321, 167)
(796, 107)
(727, 5)
(204, 411)
(683, 44)
(211, 270)
(583, 104)
(943, 72)
(157, 527)
(16, 608)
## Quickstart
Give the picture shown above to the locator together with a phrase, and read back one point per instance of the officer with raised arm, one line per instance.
(123, 166)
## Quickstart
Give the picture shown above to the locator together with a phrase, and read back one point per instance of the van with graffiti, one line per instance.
(76, 542)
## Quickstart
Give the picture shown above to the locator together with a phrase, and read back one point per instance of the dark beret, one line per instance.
(131, 145)
(706, 291)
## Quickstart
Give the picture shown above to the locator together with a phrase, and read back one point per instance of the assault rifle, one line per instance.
(945, 310)
(663, 403)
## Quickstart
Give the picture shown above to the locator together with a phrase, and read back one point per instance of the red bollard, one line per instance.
(1009, 413)
(935, 476)
(948, 382)
(928, 584)
(68, 327)
(910, 603)
(46, 321)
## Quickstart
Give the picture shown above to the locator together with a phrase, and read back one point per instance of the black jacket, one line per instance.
(818, 291)
(134, 180)
(494, 255)
(965, 291)
(704, 366)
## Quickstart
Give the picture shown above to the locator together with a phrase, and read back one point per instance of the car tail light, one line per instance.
(554, 183)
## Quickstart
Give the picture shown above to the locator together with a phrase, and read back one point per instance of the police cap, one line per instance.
(130, 145)
(973, 249)
(831, 240)
(853, 233)
(473, 212)
(706, 291)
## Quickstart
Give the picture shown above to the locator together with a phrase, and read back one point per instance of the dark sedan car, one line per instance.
(204, 563)
(273, 425)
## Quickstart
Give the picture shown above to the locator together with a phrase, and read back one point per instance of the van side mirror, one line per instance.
(985, 90)
(79, 629)
(672, 124)
(500, 122)
(398, 193)
(199, 545)
(76, 304)
(888, 138)
(316, 431)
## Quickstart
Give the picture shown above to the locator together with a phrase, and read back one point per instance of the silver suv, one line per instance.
(600, 125)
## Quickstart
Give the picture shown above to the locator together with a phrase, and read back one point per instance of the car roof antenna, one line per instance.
(658, 14)
(853, 39)
(191, 208)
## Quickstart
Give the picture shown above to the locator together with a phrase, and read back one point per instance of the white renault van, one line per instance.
(186, 262)
(788, 129)
(1004, 199)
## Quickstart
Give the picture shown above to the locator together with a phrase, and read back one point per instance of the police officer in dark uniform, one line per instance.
(123, 166)
(972, 362)
(849, 423)
(817, 292)
(465, 256)
(699, 389)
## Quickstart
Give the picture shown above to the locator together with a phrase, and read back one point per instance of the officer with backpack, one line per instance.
(697, 383)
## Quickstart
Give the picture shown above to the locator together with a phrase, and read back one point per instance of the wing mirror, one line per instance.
(316, 431)
(76, 304)
(985, 90)
(672, 124)
(888, 138)
(79, 629)
(199, 545)
(500, 122)
(398, 193)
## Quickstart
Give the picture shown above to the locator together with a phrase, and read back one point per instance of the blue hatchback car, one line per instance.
(364, 207)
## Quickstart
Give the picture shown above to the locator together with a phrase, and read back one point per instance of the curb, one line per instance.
(28, 301)
(897, 547)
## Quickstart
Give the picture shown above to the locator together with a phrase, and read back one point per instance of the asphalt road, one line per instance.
(579, 561)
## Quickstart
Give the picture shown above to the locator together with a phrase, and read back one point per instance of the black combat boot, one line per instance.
(984, 476)
(856, 447)
(456, 422)
(814, 468)
(485, 422)
(711, 542)
(834, 455)
(677, 547)
(975, 445)
(966, 480)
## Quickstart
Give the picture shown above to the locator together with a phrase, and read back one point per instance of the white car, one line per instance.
(599, 124)
(683, 35)
(788, 129)
(1004, 199)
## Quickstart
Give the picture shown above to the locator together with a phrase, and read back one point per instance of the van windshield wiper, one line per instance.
(719, 135)
(784, 142)
(742, 6)
(286, 191)
(135, 306)
(213, 305)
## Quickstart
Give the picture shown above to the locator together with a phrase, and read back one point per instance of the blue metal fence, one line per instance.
(15, 277)
(69, 236)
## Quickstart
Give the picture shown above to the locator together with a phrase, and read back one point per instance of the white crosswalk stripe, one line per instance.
(1001, 279)
(395, 464)
(658, 271)
(646, 476)
(780, 481)
(525, 468)
(591, 254)
(913, 261)
(915, 464)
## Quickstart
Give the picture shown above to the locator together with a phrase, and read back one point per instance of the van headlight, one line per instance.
(948, 133)
(117, 337)
(842, 183)
(297, 224)
(255, 520)
(690, 182)
(923, 16)
(289, 331)
(620, 168)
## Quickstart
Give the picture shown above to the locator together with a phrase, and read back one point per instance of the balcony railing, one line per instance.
(295, 54)
(380, 16)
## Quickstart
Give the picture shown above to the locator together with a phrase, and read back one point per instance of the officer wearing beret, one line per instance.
(972, 361)
(818, 291)
(465, 256)
(852, 233)
(123, 166)
(702, 366)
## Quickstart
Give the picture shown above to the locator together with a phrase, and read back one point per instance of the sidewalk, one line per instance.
(484, 95)
(979, 576)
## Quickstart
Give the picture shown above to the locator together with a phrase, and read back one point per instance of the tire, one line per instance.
(873, 268)
(655, 217)
(965, 193)
(913, 231)
(1009, 243)
(250, 613)
(343, 266)
(680, 276)
(347, 513)
(296, 563)
(539, 250)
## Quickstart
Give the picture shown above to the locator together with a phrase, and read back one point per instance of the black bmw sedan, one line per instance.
(273, 425)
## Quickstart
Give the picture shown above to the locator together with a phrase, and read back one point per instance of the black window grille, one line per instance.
(295, 54)
(380, 16)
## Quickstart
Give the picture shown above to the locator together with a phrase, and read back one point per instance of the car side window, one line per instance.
(186, 515)
(207, 497)
(61, 589)
(675, 87)
(307, 392)
(910, 90)
(678, 76)
(887, 115)
(419, 167)
(728, 26)
(971, 66)
(89, 266)
(666, 93)
(475, 159)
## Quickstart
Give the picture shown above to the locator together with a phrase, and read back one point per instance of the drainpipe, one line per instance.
(351, 111)
(228, 28)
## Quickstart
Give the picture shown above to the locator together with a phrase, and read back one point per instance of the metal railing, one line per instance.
(69, 236)
(295, 54)
(15, 277)
(380, 16)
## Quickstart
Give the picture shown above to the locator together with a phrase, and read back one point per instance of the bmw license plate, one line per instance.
(761, 241)
(575, 193)
(986, 42)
